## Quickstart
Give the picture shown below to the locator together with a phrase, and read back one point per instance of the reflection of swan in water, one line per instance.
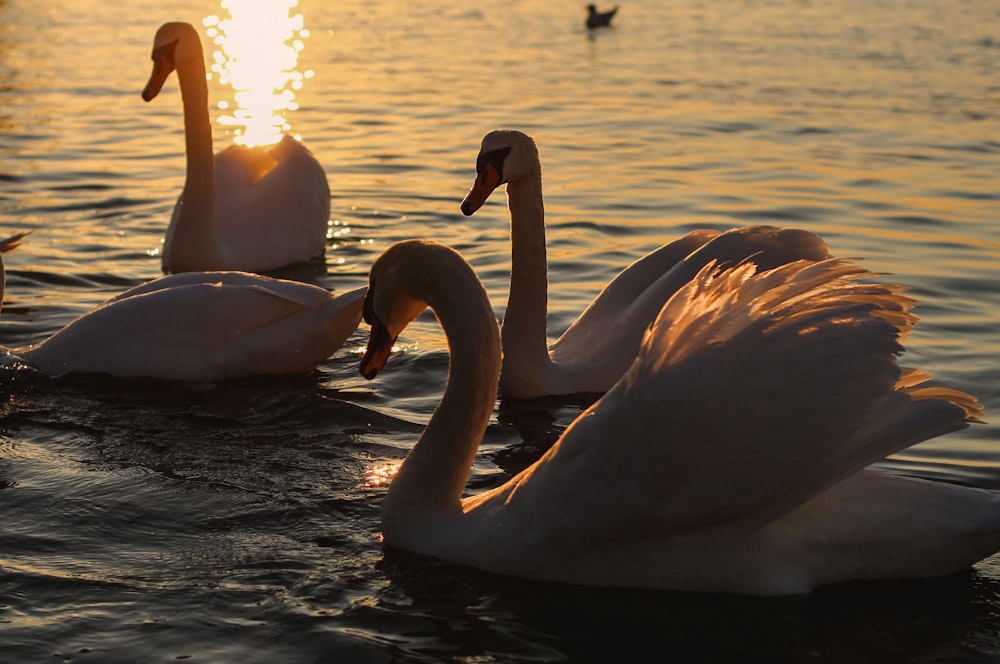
(732, 456)
(597, 349)
(596, 19)
(255, 209)
(202, 326)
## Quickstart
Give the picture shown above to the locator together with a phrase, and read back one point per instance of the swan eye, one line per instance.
(481, 165)
(164, 54)
(494, 158)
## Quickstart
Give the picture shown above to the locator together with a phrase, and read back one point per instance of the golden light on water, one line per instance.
(381, 474)
(256, 53)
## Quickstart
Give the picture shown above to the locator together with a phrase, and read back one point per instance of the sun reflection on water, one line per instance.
(381, 474)
(257, 49)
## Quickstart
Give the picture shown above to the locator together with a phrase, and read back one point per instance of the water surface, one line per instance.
(147, 521)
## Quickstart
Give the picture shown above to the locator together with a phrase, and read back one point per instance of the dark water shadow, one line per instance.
(539, 423)
(456, 614)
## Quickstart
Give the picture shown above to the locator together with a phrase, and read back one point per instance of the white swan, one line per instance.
(256, 209)
(596, 350)
(730, 458)
(201, 326)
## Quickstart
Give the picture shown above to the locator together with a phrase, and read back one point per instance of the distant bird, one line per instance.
(256, 209)
(596, 19)
(199, 326)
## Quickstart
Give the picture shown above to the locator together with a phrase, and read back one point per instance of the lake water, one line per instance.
(154, 522)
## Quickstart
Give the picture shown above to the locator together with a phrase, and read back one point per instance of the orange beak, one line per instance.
(163, 64)
(486, 181)
(378, 350)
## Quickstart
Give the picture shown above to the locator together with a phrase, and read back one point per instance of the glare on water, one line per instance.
(257, 49)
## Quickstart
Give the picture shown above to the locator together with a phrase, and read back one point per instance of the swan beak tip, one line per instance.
(380, 344)
(487, 180)
(475, 199)
(151, 90)
(373, 361)
(369, 373)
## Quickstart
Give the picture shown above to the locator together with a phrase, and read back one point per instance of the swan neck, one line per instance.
(524, 323)
(195, 225)
(432, 479)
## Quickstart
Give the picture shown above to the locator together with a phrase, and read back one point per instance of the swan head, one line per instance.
(506, 155)
(396, 286)
(175, 45)
(415, 274)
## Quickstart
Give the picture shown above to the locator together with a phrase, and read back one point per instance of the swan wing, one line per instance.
(610, 331)
(204, 331)
(285, 177)
(307, 295)
(751, 394)
(629, 295)
(272, 206)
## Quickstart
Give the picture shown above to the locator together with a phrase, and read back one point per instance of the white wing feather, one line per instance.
(751, 394)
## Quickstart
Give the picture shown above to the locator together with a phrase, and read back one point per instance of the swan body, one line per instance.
(596, 19)
(731, 457)
(594, 352)
(254, 209)
(202, 326)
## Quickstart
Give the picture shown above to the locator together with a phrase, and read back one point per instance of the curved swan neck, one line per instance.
(524, 323)
(433, 476)
(195, 225)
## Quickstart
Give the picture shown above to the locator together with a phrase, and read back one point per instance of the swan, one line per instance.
(254, 209)
(596, 19)
(594, 352)
(201, 326)
(732, 456)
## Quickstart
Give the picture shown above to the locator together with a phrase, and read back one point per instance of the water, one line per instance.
(146, 521)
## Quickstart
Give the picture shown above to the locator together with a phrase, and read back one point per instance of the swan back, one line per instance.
(203, 326)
